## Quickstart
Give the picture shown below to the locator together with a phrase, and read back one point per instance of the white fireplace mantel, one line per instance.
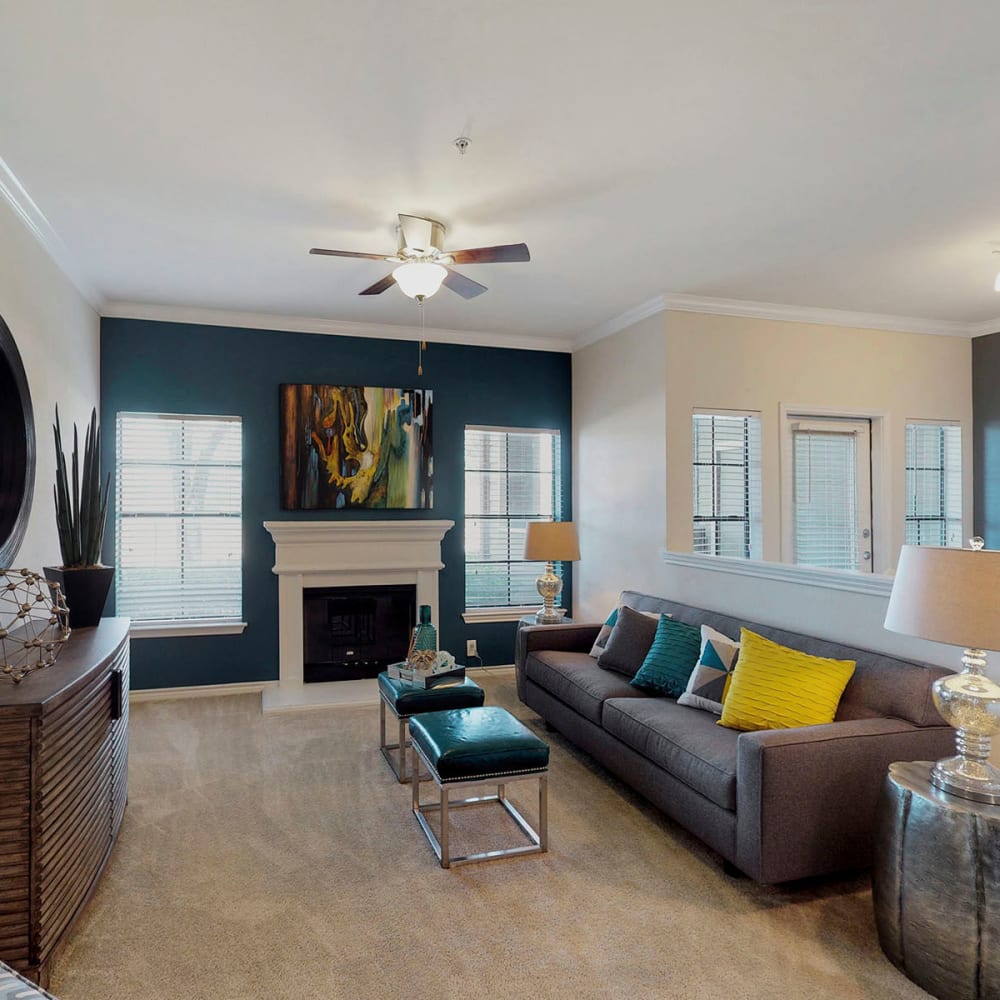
(343, 554)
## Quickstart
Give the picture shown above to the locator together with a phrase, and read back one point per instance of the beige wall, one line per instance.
(624, 454)
(57, 334)
(619, 498)
(729, 362)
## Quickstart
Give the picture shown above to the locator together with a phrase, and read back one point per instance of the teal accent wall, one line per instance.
(986, 438)
(161, 367)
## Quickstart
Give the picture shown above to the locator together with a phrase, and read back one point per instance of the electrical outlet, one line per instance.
(471, 649)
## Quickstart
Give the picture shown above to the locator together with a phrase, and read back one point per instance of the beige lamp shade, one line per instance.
(551, 541)
(947, 595)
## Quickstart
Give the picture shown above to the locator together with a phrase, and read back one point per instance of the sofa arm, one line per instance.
(576, 637)
(806, 797)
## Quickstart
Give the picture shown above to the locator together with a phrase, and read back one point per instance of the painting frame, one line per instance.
(350, 447)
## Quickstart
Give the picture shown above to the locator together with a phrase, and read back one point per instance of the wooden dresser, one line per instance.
(63, 786)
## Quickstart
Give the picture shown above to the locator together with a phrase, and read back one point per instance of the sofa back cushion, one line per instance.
(882, 685)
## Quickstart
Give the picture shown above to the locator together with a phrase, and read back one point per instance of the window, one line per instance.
(727, 511)
(178, 524)
(934, 484)
(831, 493)
(511, 478)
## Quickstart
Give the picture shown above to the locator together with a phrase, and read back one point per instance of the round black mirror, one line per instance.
(17, 448)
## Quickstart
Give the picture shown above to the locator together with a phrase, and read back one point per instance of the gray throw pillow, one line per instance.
(629, 642)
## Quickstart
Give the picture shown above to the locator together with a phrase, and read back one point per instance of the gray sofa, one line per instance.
(778, 805)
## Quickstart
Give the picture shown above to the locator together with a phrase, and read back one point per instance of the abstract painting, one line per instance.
(349, 446)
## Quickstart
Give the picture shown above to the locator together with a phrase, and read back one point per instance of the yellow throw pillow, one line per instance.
(774, 687)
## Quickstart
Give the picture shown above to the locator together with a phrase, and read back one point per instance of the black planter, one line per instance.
(85, 589)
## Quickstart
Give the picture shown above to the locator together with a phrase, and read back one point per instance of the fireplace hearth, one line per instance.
(351, 633)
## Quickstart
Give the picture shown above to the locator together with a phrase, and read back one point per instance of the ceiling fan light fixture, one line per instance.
(419, 279)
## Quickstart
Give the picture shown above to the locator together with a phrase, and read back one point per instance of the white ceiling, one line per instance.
(840, 154)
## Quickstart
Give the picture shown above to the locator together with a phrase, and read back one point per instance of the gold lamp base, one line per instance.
(549, 587)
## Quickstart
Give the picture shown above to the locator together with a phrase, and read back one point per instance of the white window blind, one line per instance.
(828, 519)
(727, 506)
(511, 478)
(934, 484)
(178, 523)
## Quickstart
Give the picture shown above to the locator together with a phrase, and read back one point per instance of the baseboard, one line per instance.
(246, 687)
(199, 691)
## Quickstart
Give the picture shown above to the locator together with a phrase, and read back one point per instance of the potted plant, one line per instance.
(81, 514)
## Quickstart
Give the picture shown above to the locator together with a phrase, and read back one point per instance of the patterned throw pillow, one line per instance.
(602, 637)
(774, 687)
(670, 659)
(706, 686)
(630, 641)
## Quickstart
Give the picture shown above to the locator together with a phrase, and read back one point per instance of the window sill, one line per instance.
(805, 576)
(176, 629)
(483, 616)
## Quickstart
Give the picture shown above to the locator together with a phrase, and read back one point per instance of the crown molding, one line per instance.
(985, 327)
(12, 191)
(331, 327)
(675, 302)
(811, 314)
(630, 317)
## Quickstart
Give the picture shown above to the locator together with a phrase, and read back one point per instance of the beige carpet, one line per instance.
(276, 857)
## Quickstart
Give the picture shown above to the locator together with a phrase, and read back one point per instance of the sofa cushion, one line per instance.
(882, 685)
(602, 637)
(707, 683)
(670, 660)
(684, 741)
(629, 642)
(775, 687)
(576, 680)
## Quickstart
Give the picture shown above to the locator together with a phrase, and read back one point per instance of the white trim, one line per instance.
(331, 327)
(813, 314)
(13, 192)
(200, 691)
(984, 328)
(749, 309)
(621, 322)
(483, 616)
(803, 576)
(175, 629)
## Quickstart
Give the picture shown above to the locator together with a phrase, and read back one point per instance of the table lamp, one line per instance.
(953, 596)
(550, 542)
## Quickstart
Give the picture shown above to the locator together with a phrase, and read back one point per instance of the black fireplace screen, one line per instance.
(355, 632)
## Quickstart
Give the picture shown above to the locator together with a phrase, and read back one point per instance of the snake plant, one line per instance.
(81, 509)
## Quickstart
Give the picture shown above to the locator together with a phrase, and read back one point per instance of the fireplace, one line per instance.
(354, 632)
(326, 554)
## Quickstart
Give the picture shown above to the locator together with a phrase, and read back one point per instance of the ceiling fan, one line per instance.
(424, 266)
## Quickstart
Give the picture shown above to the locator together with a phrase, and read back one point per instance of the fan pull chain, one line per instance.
(422, 346)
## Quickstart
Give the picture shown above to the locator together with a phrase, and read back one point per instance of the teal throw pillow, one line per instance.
(671, 658)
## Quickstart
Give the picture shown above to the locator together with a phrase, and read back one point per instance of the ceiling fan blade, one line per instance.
(380, 286)
(349, 253)
(465, 287)
(511, 253)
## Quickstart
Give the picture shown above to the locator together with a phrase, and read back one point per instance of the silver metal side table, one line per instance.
(936, 886)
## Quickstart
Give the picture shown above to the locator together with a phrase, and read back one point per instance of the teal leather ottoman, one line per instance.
(404, 699)
(478, 746)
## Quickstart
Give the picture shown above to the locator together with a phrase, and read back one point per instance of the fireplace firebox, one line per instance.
(351, 633)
